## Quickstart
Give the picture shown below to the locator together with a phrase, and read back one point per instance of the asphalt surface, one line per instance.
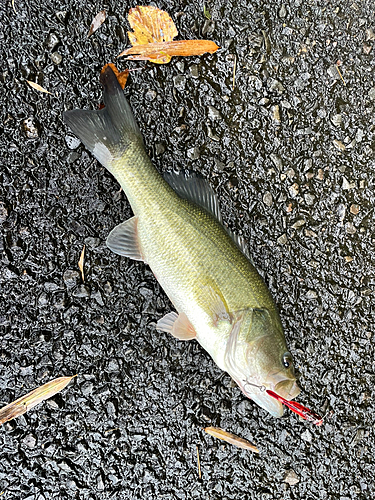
(289, 148)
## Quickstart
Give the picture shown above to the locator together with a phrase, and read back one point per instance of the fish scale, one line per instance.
(220, 298)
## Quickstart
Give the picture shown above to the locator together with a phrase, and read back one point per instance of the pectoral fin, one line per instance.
(177, 325)
(218, 310)
(123, 240)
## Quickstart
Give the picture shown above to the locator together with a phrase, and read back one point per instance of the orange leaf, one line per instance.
(157, 51)
(25, 403)
(97, 22)
(231, 438)
(121, 76)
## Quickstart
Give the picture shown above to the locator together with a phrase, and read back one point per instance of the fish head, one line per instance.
(257, 359)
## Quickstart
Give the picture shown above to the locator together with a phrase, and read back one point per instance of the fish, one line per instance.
(219, 297)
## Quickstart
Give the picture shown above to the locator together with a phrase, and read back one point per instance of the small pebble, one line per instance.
(194, 71)
(366, 48)
(277, 161)
(354, 209)
(359, 135)
(310, 233)
(150, 95)
(276, 114)
(311, 294)
(72, 142)
(220, 166)
(211, 134)
(299, 223)
(52, 41)
(371, 93)
(179, 82)
(81, 292)
(263, 101)
(336, 120)
(306, 436)
(282, 11)
(339, 145)
(346, 184)
(61, 15)
(350, 229)
(180, 66)
(87, 388)
(159, 148)
(341, 211)
(294, 190)
(282, 240)
(193, 153)
(29, 441)
(309, 199)
(56, 57)
(30, 128)
(291, 477)
(213, 113)
(275, 85)
(267, 199)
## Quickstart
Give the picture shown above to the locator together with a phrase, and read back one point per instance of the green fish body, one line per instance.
(220, 298)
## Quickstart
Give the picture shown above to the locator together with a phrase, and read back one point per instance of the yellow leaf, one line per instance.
(80, 262)
(231, 438)
(25, 403)
(151, 25)
(38, 87)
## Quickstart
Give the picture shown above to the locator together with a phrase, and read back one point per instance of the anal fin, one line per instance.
(123, 240)
(177, 325)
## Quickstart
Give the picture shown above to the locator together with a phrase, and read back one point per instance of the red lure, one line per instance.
(301, 410)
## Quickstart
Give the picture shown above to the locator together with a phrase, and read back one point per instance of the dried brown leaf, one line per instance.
(231, 438)
(122, 76)
(199, 464)
(80, 262)
(25, 403)
(158, 51)
(97, 22)
(38, 87)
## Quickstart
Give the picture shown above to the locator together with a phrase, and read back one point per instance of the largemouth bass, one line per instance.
(220, 298)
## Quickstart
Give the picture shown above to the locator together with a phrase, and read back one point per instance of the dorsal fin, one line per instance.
(194, 188)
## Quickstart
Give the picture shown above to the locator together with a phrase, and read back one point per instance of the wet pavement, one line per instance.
(288, 144)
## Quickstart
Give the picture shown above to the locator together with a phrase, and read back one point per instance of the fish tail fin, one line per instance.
(107, 132)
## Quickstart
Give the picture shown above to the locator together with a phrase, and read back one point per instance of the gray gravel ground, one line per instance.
(290, 152)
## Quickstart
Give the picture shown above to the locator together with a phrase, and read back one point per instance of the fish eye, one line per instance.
(287, 360)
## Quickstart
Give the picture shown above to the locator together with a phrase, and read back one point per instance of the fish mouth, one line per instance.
(287, 388)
